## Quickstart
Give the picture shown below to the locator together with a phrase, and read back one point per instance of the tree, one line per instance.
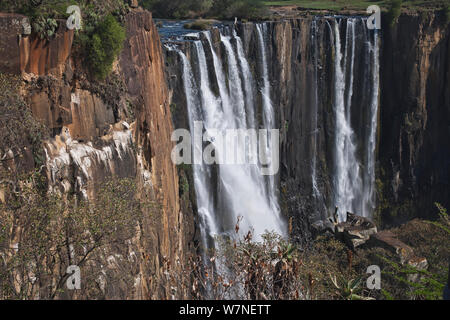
(104, 46)
(41, 235)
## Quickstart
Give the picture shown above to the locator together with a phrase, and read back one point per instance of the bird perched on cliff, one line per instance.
(65, 135)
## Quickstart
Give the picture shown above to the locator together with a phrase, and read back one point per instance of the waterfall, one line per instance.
(268, 113)
(369, 191)
(200, 171)
(265, 91)
(318, 197)
(227, 88)
(248, 81)
(353, 187)
(316, 191)
(235, 86)
(245, 194)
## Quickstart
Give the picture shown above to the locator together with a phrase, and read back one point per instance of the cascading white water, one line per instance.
(242, 187)
(200, 171)
(248, 81)
(347, 178)
(353, 188)
(351, 23)
(316, 191)
(369, 188)
(247, 194)
(243, 191)
(265, 91)
(234, 86)
(268, 113)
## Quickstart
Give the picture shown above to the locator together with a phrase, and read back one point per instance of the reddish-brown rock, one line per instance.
(142, 66)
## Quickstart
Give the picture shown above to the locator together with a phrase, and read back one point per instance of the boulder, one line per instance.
(355, 231)
(321, 227)
(405, 254)
(388, 240)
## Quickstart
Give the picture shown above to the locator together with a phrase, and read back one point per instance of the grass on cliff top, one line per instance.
(337, 5)
(200, 24)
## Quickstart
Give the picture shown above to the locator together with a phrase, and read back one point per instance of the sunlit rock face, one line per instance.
(75, 166)
(118, 128)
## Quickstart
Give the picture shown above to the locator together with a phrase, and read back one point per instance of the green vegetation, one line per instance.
(420, 284)
(248, 9)
(45, 27)
(430, 239)
(276, 269)
(104, 45)
(100, 40)
(200, 24)
(258, 9)
(394, 11)
(325, 4)
(177, 9)
(221, 9)
(444, 221)
(361, 5)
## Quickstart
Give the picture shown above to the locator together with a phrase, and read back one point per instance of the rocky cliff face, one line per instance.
(412, 133)
(303, 83)
(168, 238)
(412, 144)
(122, 127)
(117, 128)
(414, 122)
(408, 131)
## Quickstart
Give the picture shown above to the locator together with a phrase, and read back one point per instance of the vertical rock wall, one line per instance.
(414, 145)
(120, 127)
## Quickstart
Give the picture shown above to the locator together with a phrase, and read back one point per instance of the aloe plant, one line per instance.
(349, 290)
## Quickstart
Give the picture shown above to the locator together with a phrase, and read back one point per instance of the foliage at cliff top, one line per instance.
(394, 11)
(221, 9)
(258, 9)
(57, 8)
(102, 45)
(101, 36)
(338, 5)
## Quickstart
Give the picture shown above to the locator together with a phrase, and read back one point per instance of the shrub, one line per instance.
(54, 232)
(224, 9)
(104, 45)
(45, 27)
(199, 25)
(394, 11)
(242, 9)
